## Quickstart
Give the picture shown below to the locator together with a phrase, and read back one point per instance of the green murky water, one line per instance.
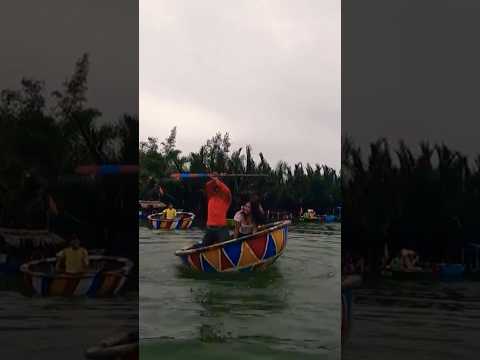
(415, 320)
(59, 328)
(291, 311)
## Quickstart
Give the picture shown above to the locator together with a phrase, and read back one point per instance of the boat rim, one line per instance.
(268, 228)
(191, 216)
(124, 270)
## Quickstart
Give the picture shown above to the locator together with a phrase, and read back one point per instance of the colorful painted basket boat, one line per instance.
(183, 221)
(106, 277)
(248, 253)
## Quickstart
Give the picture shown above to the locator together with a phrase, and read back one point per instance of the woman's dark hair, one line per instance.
(257, 214)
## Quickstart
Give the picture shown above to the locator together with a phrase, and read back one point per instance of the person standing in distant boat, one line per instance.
(219, 199)
(169, 213)
(73, 259)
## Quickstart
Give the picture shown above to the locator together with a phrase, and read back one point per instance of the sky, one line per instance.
(266, 72)
(44, 39)
(417, 78)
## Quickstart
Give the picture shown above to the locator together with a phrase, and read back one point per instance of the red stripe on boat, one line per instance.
(258, 245)
(195, 259)
(225, 262)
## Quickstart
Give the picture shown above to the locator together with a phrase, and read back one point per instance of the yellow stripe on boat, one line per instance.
(279, 238)
(57, 286)
(247, 256)
(213, 258)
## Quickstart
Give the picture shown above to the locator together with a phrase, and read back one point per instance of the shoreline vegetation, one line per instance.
(285, 190)
(40, 148)
(394, 199)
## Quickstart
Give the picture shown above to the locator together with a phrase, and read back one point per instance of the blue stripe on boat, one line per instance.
(271, 250)
(233, 252)
(95, 284)
(45, 286)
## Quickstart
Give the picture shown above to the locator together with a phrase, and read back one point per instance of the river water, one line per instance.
(59, 328)
(291, 311)
(407, 320)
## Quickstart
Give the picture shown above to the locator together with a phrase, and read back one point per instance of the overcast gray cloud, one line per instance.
(267, 72)
(44, 39)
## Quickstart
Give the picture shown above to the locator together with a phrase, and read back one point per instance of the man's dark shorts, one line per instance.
(215, 235)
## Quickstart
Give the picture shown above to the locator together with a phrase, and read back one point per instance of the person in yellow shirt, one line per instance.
(73, 259)
(169, 213)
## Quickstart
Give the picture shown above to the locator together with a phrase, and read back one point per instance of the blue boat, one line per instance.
(448, 272)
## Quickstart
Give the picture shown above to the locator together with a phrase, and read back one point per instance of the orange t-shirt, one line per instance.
(218, 202)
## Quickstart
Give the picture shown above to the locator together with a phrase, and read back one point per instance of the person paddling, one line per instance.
(219, 199)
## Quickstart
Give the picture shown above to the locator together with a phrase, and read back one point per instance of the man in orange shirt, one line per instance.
(219, 200)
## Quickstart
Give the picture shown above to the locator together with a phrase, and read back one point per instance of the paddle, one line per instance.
(106, 169)
(183, 175)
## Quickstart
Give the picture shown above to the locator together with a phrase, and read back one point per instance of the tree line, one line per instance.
(426, 200)
(285, 188)
(44, 137)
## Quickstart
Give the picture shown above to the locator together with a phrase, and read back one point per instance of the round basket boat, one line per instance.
(183, 221)
(248, 253)
(106, 277)
(449, 272)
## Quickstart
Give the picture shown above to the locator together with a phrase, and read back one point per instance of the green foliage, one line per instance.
(49, 142)
(428, 201)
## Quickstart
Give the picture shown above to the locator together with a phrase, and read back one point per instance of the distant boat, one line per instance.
(247, 253)
(105, 278)
(182, 221)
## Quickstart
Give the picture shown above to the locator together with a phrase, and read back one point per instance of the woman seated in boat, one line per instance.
(249, 217)
(244, 224)
(73, 259)
(169, 213)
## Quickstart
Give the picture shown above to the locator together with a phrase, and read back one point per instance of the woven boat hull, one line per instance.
(183, 221)
(255, 252)
(40, 278)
